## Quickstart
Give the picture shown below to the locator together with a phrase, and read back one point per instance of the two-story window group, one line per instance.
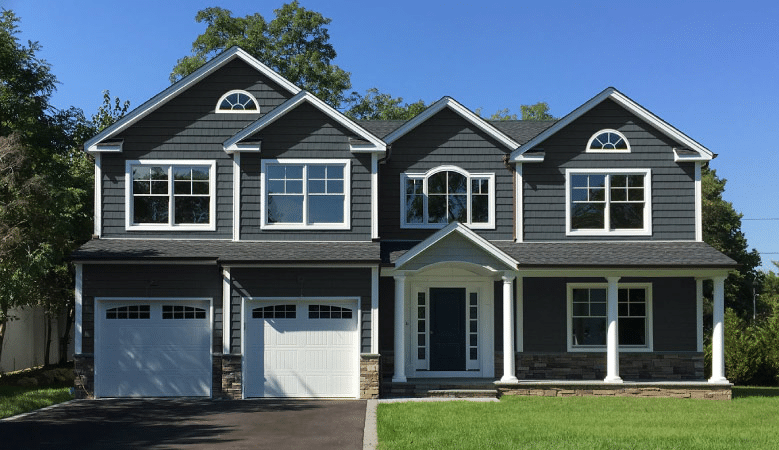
(252, 241)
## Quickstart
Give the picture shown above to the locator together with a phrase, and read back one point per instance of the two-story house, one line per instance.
(252, 241)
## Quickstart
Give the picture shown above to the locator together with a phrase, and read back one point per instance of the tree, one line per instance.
(377, 106)
(295, 44)
(722, 230)
(537, 111)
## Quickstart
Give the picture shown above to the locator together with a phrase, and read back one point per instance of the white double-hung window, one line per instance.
(170, 195)
(447, 194)
(303, 194)
(608, 202)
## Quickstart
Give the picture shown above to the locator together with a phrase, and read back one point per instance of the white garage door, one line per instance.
(153, 348)
(301, 349)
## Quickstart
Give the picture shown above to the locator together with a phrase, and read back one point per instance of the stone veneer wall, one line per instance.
(84, 371)
(697, 391)
(592, 366)
(227, 382)
(370, 375)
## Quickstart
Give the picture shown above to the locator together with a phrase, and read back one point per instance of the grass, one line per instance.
(17, 400)
(751, 421)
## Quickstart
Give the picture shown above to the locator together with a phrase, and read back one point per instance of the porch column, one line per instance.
(718, 336)
(612, 333)
(400, 341)
(509, 370)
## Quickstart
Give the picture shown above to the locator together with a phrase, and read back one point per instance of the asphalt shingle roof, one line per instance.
(276, 252)
(597, 254)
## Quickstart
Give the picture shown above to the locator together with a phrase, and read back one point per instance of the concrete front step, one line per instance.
(458, 393)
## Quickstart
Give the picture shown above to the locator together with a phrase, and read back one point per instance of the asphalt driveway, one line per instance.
(190, 424)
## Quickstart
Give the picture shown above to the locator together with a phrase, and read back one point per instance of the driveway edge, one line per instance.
(370, 437)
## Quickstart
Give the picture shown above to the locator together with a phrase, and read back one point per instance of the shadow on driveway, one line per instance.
(190, 424)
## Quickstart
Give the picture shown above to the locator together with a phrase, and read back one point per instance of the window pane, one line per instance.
(588, 331)
(636, 180)
(159, 173)
(159, 187)
(316, 187)
(598, 295)
(458, 208)
(141, 173)
(619, 194)
(597, 180)
(317, 172)
(182, 187)
(636, 195)
(581, 295)
(637, 295)
(581, 309)
(413, 186)
(200, 187)
(326, 209)
(619, 180)
(275, 172)
(632, 331)
(285, 209)
(579, 181)
(294, 187)
(637, 309)
(150, 209)
(436, 209)
(141, 187)
(598, 309)
(627, 215)
(294, 172)
(275, 187)
(335, 186)
(436, 184)
(182, 173)
(458, 184)
(192, 209)
(335, 172)
(587, 216)
(414, 205)
(579, 195)
(480, 209)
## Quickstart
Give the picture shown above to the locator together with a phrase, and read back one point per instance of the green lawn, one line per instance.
(750, 421)
(16, 400)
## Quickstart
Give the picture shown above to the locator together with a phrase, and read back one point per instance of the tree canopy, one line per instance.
(296, 44)
(375, 105)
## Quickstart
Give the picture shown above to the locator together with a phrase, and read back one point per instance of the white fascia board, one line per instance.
(523, 158)
(689, 158)
(182, 85)
(375, 144)
(628, 104)
(462, 111)
(465, 232)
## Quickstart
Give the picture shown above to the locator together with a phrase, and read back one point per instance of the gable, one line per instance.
(455, 248)
(683, 143)
(272, 80)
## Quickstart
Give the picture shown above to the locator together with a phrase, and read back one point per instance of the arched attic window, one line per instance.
(608, 141)
(237, 101)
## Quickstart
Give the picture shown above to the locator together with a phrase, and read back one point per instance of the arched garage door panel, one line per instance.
(302, 349)
(153, 348)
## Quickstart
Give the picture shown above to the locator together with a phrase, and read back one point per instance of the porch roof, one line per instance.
(228, 252)
(595, 254)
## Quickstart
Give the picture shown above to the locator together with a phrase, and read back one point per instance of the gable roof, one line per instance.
(622, 100)
(179, 87)
(462, 111)
(369, 143)
(456, 228)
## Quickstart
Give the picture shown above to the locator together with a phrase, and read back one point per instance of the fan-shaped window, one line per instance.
(182, 312)
(608, 141)
(129, 312)
(328, 312)
(274, 312)
(237, 102)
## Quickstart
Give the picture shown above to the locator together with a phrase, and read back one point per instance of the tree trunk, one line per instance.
(47, 348)
(65, 338)
(3, 322)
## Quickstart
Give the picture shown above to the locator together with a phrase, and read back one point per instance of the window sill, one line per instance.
(170, 227)
(438, 226)
(295, 227)
(609, 233)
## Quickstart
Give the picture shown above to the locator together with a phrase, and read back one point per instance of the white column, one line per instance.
(718, 337)
(509, 370)
(375, 310)
(612, 333)
(79, 309)
(699, 313)
(400, 329)
(226, 310)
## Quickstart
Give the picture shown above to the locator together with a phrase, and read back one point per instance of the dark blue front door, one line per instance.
(447, 329)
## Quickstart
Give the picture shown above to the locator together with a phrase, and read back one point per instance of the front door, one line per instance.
(447, 329)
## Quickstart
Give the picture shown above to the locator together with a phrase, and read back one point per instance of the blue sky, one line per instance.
(710, 68)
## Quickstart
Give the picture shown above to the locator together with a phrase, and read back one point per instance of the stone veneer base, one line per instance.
(694, 390)
(84, 371)
(370, 375)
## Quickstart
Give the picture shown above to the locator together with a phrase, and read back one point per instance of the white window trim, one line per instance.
(607, 130)
(649, 347)
(425, 176)
(346, 225)
(170, 226)
(237, 111)
(646, 231)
